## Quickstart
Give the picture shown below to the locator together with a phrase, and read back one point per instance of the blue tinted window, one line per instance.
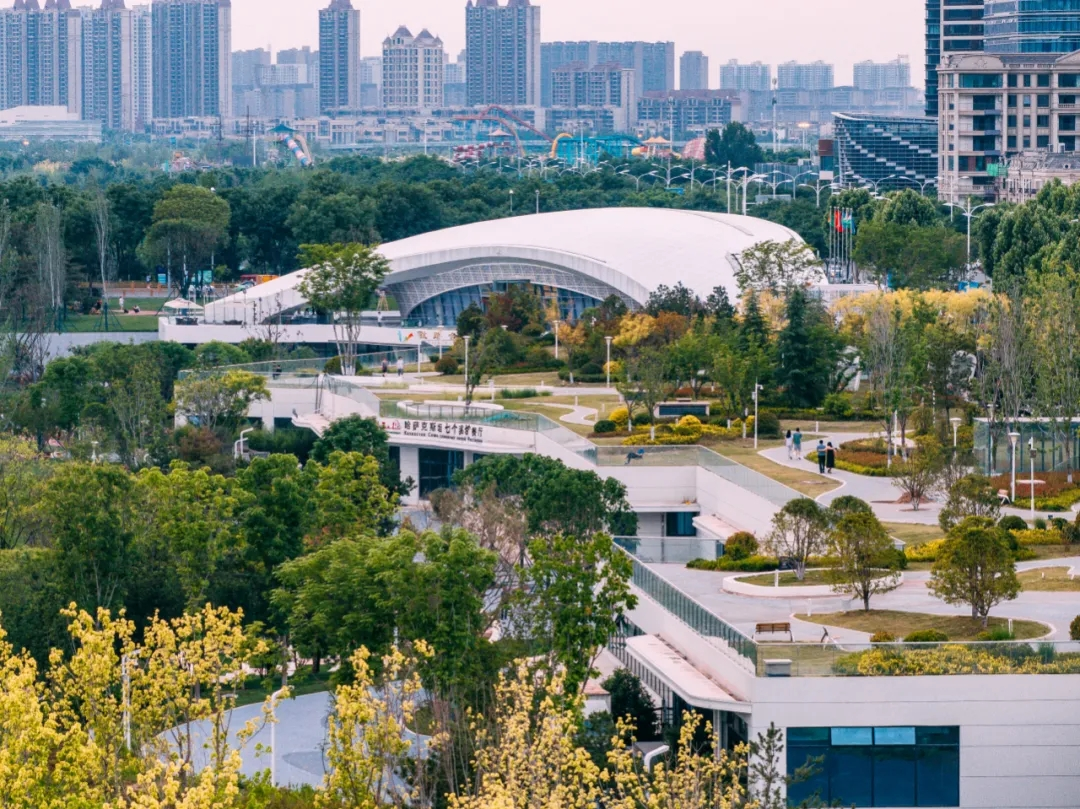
(852, 736)
(884, 766)
(894, 735)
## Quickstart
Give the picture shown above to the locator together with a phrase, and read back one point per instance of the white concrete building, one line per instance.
(412, 70)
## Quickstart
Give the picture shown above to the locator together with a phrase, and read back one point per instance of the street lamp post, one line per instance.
(1031, 457)
(555, 323)
(955, 420)
(538, 200)
(608, 366)
(466, 338)
(757, 388)
(990, 441)
(1013, 438)
(511, 201)
(746, 185)
(273, 735)
(967, 210)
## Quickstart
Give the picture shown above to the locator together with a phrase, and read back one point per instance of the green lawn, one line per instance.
(900, 624)
(255, 693)
(117, 323)
(804, 482)
(1049, 579)
(913, 533)
(787, 579)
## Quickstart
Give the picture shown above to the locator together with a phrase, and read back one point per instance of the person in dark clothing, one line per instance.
(821, 452)
(830, 458)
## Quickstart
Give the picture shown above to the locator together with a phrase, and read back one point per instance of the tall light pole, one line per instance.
(538, 200)
(466, 338)
(1031, 457)
(969, 212)
(757, 389)
(608, 338)
(511, 201)
(745, 186)
(955, 421)
(1013, 438)
(555, 323)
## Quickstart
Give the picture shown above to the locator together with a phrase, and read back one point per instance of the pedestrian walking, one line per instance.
(830, 458)
(821, 453)
(400, 367)
(385, 366)
(796, 442)
(789, 443)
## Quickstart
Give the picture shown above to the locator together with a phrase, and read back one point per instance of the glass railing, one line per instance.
(671, 550)
(459, 412)
(745, 478)
(917, 659)
(691, 613)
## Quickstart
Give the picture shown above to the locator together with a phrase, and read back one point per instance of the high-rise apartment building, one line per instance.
(246, 64)
(657, 65)
(952, 26)
(653, 63)
(883, 75)
(413, 70)
(804, 76)
(113, 59)
(371, 82)
(503, 53)
(754, 76)
(554, 55)
(192, 58)
(610, 87)
(339, 57)
(40, 49)
(300, 56)
(694, 71)
(455, 87)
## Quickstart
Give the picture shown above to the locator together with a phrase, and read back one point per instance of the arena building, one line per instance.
(574, 258)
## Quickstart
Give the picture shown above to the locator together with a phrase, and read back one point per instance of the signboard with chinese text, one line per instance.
(441, 430)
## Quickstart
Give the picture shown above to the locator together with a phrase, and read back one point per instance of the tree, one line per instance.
(632, 703)
(647, 380)
(866, 562)
(1056, 309)
(51, 258)
(800, 530)
(350, 498)
(970, 496)
(103, 231)
(189, 224)
(776, 266)
(579, 588)
(196, 515)
(975, 567)
(219, 400)
(735, 145)
(554, 498)
(691, 358)
(94, 531)
(340, 281)
(808, 351)
(677, 299)
(886, 352)
(916, 477)
(136, 401)
(908, 207)
(909, 256)
(363, 435)
(22, 478)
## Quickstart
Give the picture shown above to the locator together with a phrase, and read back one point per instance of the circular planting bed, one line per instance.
(763, 585)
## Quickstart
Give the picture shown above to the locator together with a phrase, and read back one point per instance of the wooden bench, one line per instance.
(773, 628)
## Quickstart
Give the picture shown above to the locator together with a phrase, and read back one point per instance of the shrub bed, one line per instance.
(957, 659)
(927, 552)
(1034, 537)
(686, 431)
(751, 564)
(1055, 494)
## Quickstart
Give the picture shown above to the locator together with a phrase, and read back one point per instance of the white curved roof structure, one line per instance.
(596, 252)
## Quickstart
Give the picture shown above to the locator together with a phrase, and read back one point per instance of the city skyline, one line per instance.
(841, 32)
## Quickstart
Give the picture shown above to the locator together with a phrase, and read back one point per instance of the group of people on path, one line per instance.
(826, 452)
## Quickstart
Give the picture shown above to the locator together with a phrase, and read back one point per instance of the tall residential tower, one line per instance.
(503, 53)
(412, 70)
(192, 58)
(339, 57)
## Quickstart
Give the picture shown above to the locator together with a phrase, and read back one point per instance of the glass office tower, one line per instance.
(1032, 26)
(952, 26)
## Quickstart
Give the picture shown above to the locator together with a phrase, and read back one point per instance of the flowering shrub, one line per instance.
(621, 416)
(688, 430)
(1030, 537)
(927, 552)
(957, 659)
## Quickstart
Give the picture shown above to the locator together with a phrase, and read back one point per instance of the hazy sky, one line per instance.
(838, 31)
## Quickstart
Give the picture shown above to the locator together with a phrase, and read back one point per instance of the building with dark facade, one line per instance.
(894, 152)
(339, 58)
(693, 71)
(502, 45)
(952, 26)
(1031, 26)
(192, 58)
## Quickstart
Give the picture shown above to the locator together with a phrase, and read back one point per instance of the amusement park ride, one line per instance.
(515, 137)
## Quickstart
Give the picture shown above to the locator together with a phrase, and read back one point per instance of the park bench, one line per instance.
(774, 628)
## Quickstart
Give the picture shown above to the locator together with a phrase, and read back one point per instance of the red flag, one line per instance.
(838, 223)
